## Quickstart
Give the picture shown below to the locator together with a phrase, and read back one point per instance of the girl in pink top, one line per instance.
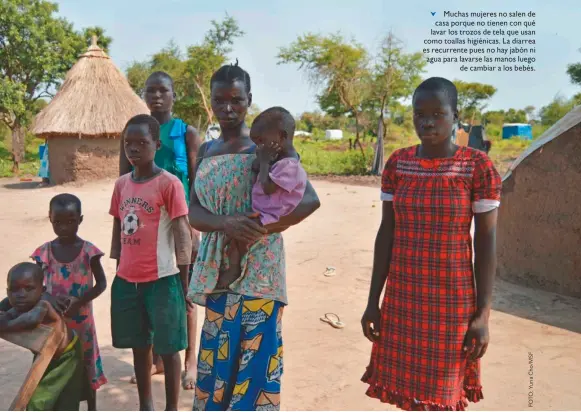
(280, 184)
(74, 276)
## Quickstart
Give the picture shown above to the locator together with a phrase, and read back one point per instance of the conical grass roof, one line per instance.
(95, 100)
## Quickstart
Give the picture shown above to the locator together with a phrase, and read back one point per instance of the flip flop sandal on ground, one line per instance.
(333, 320)
(330, 271)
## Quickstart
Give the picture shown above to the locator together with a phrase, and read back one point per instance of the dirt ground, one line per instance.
(322, 365)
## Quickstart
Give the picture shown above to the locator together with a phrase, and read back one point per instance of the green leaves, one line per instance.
(574, 72)
(103, 41)
(472, 98)
(37, 49)
(192, 72)
(353, 82)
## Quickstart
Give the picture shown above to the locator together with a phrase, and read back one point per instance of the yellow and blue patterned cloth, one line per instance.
(240, 363)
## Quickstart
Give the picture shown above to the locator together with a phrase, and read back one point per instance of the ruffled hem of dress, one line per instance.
(471, 394)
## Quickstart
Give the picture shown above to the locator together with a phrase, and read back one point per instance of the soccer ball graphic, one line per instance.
(130, 222)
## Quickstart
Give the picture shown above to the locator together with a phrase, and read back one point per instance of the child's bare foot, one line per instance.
(155, 370)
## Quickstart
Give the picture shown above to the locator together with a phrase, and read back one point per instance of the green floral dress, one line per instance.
(224, 187)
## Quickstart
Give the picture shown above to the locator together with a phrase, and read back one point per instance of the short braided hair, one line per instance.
(230, 73)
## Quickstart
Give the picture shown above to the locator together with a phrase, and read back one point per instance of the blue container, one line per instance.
(41, 151)
(522, 130)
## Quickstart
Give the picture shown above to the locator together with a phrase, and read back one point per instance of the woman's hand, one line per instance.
(244, 228)
(477, 338)
(370, 323)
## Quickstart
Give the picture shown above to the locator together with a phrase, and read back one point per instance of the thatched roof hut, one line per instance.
(85, 119)
(539, 229)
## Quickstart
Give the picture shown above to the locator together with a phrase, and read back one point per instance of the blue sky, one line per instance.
(142, 27)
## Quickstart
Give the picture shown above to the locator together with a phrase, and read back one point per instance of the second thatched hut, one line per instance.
(84, 121)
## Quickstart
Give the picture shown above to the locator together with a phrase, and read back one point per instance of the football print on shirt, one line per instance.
(130, 222)
(132, 210)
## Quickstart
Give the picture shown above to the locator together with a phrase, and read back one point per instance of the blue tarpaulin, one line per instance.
(522, 130)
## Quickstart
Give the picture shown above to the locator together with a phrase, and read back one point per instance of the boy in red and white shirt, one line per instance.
(152, 244)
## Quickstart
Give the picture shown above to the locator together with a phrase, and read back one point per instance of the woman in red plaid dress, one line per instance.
(432, 328)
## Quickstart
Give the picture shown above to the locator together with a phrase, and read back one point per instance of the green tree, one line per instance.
(104, 41)
(574, 72)
(341, 67)
(530, 111)
(515, 116)
(472, 99)
(396, 75)
(559, 107)
(37, 48)
(192, 72)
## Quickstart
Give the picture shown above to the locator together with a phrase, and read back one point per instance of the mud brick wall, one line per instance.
(80, 160)
(539, 226)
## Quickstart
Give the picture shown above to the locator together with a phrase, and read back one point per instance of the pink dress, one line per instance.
(75, 279)
(291, 179)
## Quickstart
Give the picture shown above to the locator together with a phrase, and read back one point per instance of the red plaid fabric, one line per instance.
(418, 363)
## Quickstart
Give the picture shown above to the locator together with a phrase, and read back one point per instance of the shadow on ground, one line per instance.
(537, 305)
(118, 394)
(23, 185)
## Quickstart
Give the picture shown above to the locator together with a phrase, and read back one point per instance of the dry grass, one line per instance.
(95, 100)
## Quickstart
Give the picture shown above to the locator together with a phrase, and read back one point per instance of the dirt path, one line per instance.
(323, 365)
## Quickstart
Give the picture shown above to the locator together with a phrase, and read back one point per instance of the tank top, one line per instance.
(173, 154)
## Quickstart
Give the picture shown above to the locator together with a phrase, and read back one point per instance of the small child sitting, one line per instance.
(280, 184)
(60, 386)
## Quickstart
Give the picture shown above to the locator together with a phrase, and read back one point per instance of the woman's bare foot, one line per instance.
(155, 370)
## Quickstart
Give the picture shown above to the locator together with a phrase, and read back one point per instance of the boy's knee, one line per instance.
(173, 357)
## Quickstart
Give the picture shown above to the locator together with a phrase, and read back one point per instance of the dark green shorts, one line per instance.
(149, 313)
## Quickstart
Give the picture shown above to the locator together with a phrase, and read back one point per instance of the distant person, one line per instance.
(241, 354)
(432, 328)
(43, 170)
(153, 246)
(60, 387)
(177, 155)
(73, 273)
(281, 180)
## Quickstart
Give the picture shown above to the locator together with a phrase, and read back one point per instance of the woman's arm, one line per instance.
(193, 144)
(307, 207)
(200, 218)
(382, 254)
(484, 259)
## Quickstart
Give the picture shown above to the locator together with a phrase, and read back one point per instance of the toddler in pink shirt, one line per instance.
(280, 184)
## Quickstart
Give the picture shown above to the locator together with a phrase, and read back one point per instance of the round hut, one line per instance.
(539, 222)
(84, 121)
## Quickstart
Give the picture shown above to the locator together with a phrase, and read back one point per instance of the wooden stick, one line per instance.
(44, 341)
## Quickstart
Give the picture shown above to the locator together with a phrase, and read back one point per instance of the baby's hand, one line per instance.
(268, 153)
